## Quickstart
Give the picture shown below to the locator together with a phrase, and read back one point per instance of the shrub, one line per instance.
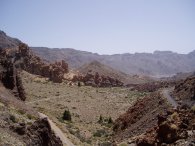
(79, 84)
(13, 118)
(110, 121)
(99, 133)
(193, 108)
(100, 119)
(67, 115)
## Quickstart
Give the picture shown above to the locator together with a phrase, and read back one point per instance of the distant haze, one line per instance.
(102, 26)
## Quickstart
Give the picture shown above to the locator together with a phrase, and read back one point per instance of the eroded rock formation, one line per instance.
(40, 134)
(174, 128)
(97, 80)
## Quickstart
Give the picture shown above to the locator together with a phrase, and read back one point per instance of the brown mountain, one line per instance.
(97, 67)
(158, 64)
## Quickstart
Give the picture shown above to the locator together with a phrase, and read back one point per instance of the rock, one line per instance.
(96, 80)
(20, 128)
(170, 129)
(10, 77)
(40, 134)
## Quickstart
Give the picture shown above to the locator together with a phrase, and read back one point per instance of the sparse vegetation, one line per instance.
(67, 115)
(13, 118)
(193, 108)
(92, 108)
(110, 121)
(100, 119)
(99, 133)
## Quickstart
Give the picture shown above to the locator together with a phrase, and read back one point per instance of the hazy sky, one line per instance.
(102, 26)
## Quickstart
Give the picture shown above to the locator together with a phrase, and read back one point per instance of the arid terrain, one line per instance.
(157, 64)
(85, 103)
(46, 103)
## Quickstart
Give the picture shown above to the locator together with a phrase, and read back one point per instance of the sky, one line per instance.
(102, 26)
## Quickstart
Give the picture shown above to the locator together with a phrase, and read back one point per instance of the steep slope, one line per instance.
(20, 124)
(138, 118)
(97, 67)
(8, 42)
(73, 57)
(185, 91)
(159, 63)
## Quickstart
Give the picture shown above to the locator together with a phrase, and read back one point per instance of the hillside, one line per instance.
(6, 41)
(19, 123)
(105, 70)
(158, 64)
(185, 91)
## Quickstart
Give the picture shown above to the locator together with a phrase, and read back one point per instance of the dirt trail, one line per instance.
(171, 100)
(57, 131)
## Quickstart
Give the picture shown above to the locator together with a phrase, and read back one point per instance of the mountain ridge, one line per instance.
(97, 67)
(159, 63)
(156, 64)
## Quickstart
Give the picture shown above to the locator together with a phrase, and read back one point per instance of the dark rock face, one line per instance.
(9, 76)
(40, 134)
(19, 128)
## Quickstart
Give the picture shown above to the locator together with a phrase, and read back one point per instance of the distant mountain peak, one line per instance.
(163, 52)
(96, 63)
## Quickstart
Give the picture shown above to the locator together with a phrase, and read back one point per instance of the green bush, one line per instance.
(67, 115)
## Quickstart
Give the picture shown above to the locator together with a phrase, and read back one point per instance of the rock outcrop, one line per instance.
(40, 134)
(12, 60)
(174, 128)
(97, 80)
(185, 91)
(33, 64)
(21, 57)
(10, 77)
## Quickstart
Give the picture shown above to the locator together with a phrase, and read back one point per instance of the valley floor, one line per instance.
(86, 104)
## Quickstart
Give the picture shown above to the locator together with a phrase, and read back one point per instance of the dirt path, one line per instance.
(57, 131)
(171, 100)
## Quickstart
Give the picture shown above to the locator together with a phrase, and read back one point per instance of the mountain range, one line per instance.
(157, 64)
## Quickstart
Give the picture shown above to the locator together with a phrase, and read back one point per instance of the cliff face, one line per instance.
(9, 75)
